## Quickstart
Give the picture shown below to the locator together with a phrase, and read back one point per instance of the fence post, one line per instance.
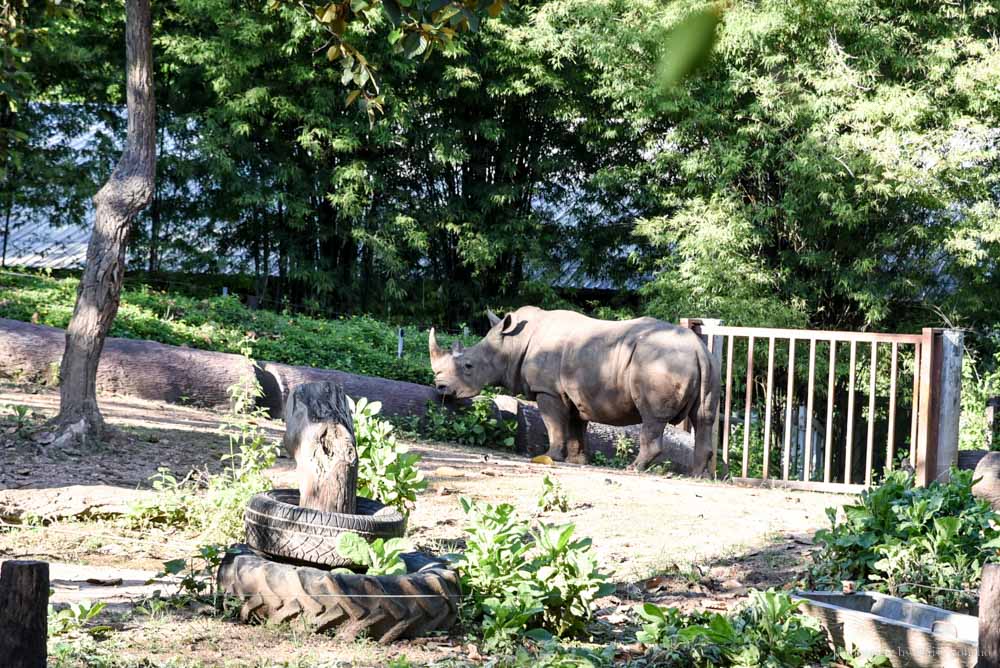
(24, 600)
(989, 617)
(940, 403)
(714, 344)
(991, 421)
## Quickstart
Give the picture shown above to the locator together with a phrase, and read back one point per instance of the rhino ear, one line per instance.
(509, 325)
(494, 318)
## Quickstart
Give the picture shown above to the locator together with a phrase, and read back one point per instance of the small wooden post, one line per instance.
(927, 432)
(989, 617)
(991, 420)
(24, 601)
(940, 404)
(950, 401)
(319, 434)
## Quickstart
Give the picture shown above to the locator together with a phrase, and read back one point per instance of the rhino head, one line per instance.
(463, 372)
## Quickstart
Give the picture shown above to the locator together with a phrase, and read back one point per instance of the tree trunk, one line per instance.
(127, 192)
(6, 227)
(319, 434)
(24, 602)
(989, 617)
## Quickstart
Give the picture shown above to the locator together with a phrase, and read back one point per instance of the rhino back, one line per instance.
(610, 370)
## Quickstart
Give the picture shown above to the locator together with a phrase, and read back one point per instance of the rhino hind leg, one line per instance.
(576, 441)
(650, 444)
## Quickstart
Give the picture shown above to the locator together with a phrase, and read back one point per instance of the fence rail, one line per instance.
(810, 420)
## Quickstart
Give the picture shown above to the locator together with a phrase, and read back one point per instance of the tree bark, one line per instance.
(127, 192)
(24, 600)
(319, 434)
(989, 617)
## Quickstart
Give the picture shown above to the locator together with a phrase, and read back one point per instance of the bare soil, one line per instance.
(689, 543)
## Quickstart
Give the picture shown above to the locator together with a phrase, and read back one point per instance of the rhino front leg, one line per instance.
(555, 415)
(650, 444)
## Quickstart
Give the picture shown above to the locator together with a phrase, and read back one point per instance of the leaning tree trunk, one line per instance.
(126, 193)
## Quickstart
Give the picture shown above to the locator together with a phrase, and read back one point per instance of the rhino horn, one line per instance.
(494, 318)
(432, 344)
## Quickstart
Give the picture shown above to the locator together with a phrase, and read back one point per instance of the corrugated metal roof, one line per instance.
(40, 245)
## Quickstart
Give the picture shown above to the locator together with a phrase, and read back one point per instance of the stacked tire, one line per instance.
(283, 573)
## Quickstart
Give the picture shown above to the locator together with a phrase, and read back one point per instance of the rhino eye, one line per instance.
(468, 365)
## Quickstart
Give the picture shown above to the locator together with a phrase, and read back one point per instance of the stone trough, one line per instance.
(909, 634)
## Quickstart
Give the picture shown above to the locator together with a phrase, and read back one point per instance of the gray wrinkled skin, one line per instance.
(579, 369)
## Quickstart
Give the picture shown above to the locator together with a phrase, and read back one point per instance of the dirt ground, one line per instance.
(692, 544)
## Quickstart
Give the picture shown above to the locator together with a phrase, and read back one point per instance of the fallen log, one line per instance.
(144, 369)
(176, 374)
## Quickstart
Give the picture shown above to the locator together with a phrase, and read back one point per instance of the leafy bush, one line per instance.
(625, 451)
(214, 505)
(526, 580)
(768, 631)
(471, 425)
(76, 618)
(386, 471)
(924, 543)
(553, 496)
(379, 557)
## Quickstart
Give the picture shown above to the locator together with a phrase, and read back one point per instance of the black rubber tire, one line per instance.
(384, 608)
(279, 528)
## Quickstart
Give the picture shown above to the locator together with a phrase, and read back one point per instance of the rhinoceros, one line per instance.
(580, 369)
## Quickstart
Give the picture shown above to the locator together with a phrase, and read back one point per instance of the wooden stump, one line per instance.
(319, 434)
(24, 601)
(989, 617)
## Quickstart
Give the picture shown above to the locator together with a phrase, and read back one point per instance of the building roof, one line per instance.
(40, 245)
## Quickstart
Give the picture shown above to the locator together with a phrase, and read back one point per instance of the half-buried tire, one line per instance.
(383, 607)
(278, 527)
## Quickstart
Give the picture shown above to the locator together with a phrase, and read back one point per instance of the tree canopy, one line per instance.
(831, 164)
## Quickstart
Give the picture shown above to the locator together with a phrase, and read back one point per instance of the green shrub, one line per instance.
(924, 543)
(526, 580)
(625, 451)
(553, 496)
(768, 631)
(386, 470)
(475, 424)
(214, 505)
(379, 557)
(76, 618)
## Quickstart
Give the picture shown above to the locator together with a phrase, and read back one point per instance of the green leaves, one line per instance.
(549, 582)
(928, 543)
(417, 29)
(768, 631)
(386, 470)
(687, 47)
(379, 557)
(553, 496)
(471, 425)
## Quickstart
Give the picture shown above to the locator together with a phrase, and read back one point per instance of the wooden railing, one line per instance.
(909, 402)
